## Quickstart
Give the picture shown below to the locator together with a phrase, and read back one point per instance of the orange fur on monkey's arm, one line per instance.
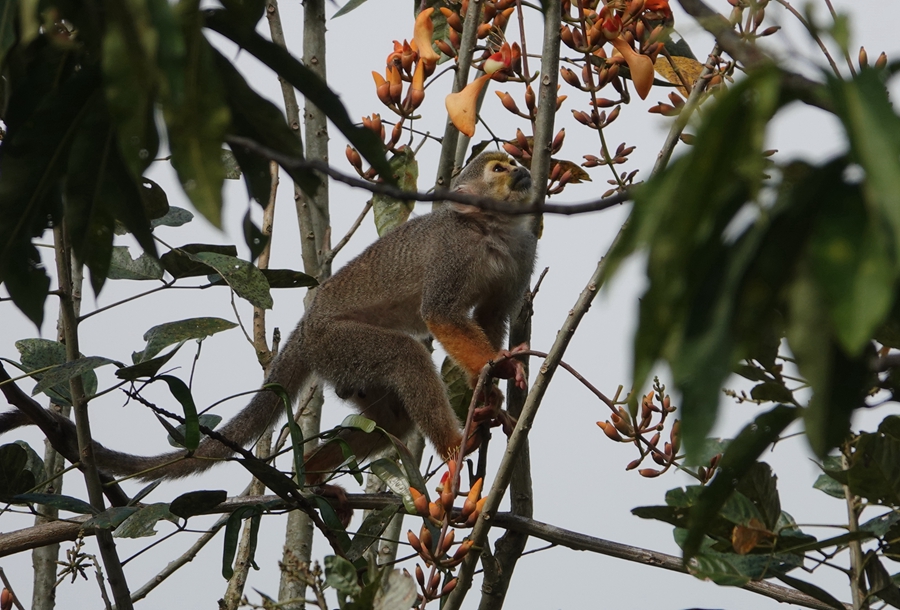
(466, 343)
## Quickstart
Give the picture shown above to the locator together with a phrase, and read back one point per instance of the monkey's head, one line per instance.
(495, 175)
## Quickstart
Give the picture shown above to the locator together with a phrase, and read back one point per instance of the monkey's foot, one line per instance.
(337, 497)
(511, 368)
(494, 416)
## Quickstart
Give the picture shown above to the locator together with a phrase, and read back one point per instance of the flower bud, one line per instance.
(508, 102)
(863, 58)
(881, 62)
(570, 77)
(649, 472)
(453, 19)
(448, 541)
(530, 98)
(448, 588)
(354, 158)
(414, 541)
(558, 140)
(610, 431)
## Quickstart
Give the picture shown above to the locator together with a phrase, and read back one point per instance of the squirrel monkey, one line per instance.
(457, 274)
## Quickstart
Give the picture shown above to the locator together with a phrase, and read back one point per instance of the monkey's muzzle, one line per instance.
(520, 180)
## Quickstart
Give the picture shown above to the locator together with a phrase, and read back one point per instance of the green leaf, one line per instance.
(198, 121)
(307, 82)
(359, 423)
(341, 575)
(43, 353)
(147, 368)
(67, 503)
(811, 590)
(752, 373)
(874, 471)
(7, 26)
(349, 6)
(123, 267)
(458, 389)
(232, 170)
(255, 239)
(183, 395)
(41, 117)
(288, 278)
(281, 484)
(873, 129)
(371, 530)
(392, 476)
(141, 524)
(737, 461)
(771, 391)
(258, 119)
(389, 212)
(111, 518)
(196, 502)
(163, 335)
(243, 277)
(179, 263)
(175, 217)
(144, 492)
(62, 373)
(131, 79)
(20, 469)
(759, 485)
(176, 433)
(232, 531)
(297, 441)
(850, 259)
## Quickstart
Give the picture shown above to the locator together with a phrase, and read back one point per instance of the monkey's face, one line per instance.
(505, 179)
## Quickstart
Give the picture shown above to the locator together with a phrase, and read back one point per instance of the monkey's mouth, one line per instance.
(521, 180)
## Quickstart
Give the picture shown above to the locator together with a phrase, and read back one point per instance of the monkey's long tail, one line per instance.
(246, 427)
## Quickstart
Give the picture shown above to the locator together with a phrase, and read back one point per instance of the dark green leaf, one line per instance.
(752, 373)
(233, 530)
(874, 471)
(197, 122)
(329, 516)
(258, 119)
(255, 239)
(175, 217)
(371, 530)
(62, 373)
(771, 391)
(142, 523)
(183, 395)
(41, 117)
(67, 503)
(144, 492)
(176, 433)
(297, 441)
(7, 26)
(15, 478)
(737, 461)
(179, 263)
(243, 277)
(123, 267)
(759, 485)
(667, 514)
(288, 278)
(162, 336)
(281, 484)
(811, 590)
(196, 502)
(458, 389)
(307, 82)
(349, 6)
(147, 368)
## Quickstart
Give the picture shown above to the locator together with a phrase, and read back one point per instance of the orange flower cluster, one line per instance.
(409, 62)
(623, 24)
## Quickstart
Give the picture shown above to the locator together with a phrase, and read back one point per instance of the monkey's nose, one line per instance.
(521, 179)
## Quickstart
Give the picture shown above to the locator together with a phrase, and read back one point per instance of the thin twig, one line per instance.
(329, 256)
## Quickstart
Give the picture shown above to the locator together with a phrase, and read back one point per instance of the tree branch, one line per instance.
(485, 203)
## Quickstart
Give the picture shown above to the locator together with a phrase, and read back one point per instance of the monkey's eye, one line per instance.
(499, 168)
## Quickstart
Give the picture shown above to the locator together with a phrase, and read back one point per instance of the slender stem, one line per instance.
(857, 593)
(82, 423)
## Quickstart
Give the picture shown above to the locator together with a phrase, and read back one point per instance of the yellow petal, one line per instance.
(641, 67)
(462, 106)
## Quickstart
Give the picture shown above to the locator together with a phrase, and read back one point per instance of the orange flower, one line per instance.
(641, 66)
(422, 34)
(462, 106)
(501, 60)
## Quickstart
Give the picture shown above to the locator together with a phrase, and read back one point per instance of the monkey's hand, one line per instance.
(491, 414)
(338, 499)
(508, 367)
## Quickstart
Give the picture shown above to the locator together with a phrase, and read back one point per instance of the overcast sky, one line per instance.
(579, 478)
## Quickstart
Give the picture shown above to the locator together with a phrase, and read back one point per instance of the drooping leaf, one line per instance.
(370, 531)
(307, 82)
(196, 502)
(736, 462)
(142, 523)
(20, 469)
(175, 217)
(42, 353)
(163, 335)
(341, 575)
(874, 471)
(243, 277)
(392, 476)
(397, 590)
(111, 518)
(146, 368)
(123, 267)
(67, 503)
(255, 239)
(62, 373)
(233, 530)
(176, 436)
(198, 120)
(288, 278)
(182, 394)
(179, 264)
(389, 212)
